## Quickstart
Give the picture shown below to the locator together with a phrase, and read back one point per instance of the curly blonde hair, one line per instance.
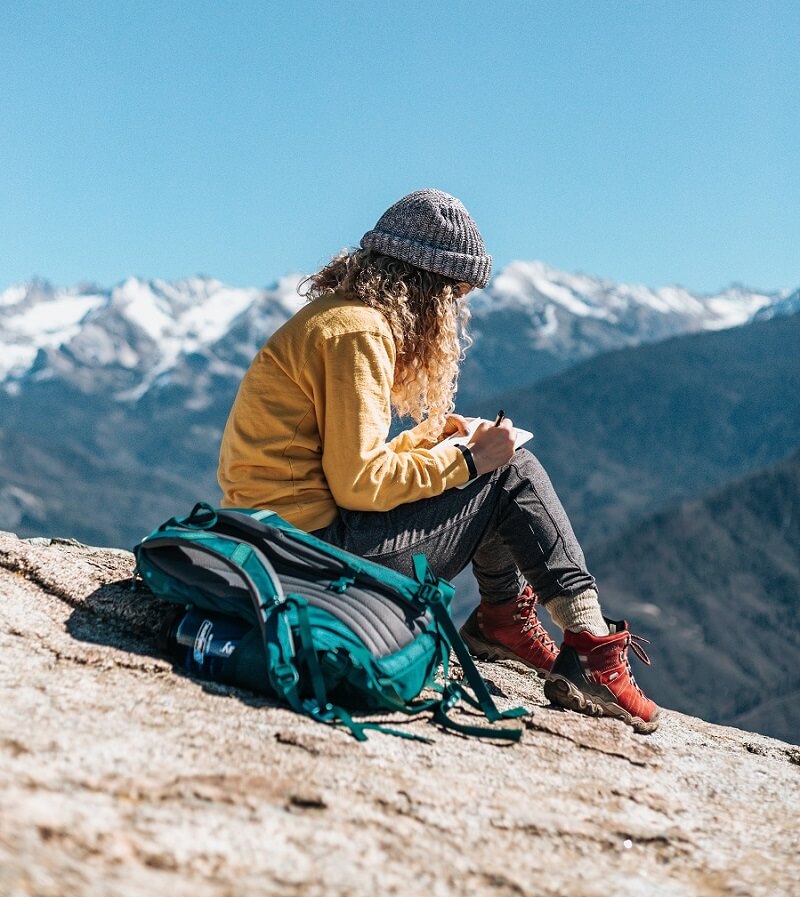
(428, 317)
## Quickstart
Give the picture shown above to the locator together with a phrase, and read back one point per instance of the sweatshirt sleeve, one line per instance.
(352, 401)
(410, 439)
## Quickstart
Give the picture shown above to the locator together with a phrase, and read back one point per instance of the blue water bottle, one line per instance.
(204, 643)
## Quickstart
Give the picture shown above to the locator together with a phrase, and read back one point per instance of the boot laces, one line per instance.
(526, 611)
(634, 641)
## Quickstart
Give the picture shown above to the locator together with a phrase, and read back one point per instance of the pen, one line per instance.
(500, 415)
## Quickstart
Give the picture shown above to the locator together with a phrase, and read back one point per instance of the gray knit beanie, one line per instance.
(432, 230)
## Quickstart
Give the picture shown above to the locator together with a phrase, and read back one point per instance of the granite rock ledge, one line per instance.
(119, 776)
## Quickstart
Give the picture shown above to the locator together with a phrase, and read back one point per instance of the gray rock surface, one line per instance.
(119, 776)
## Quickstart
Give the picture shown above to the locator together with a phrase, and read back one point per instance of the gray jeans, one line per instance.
(509, 523)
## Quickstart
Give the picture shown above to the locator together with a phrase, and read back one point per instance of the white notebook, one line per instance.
(520, 438)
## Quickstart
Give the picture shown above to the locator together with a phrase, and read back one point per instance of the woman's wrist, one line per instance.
(471, 466)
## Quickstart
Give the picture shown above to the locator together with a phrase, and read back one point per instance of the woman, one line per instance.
(308, 438)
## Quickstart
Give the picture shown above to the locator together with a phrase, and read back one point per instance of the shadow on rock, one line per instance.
(115, 615)
(135, 622)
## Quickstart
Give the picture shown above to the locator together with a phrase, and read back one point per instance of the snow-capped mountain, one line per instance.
(532, 320)
(790, 305)
(553, 294)
(136, 335)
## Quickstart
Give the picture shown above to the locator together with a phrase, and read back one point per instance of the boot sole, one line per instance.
(563, 693)
(491, 652)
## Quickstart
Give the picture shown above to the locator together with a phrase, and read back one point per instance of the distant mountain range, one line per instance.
(133, 384)
(142, 335)
(130, 388)
(130, 340)
(534, 321)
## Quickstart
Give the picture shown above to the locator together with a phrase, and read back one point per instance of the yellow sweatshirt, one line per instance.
(308, 429)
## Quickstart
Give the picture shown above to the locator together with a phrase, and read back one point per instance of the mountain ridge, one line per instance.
(129, 339)
(638, 428)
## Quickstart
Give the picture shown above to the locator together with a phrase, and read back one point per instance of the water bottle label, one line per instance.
(206, 641)
(202, 641)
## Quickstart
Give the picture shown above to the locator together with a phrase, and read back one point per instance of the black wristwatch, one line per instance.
(473, 470)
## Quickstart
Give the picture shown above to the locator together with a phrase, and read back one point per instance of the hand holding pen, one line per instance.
(492, 445)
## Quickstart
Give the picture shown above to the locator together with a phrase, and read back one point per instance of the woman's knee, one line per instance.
(526, 464)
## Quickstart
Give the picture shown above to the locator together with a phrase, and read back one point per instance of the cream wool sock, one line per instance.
(578, 613)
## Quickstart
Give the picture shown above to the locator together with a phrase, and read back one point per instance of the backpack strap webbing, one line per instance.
(431, 593)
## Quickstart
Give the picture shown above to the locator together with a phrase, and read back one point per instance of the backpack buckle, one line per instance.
(430, 593)
(285, 676)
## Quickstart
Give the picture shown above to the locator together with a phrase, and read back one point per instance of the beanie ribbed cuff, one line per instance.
(474, 270)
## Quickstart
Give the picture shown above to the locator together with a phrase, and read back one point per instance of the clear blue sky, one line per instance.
(643, 141)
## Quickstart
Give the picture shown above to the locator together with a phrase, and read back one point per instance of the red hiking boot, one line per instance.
(592, 675)
(510, 631)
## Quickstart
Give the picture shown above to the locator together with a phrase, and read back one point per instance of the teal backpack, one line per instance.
(326, 632)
